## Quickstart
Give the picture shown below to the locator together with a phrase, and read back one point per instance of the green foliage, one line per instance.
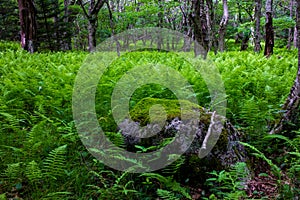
(276, 170)
(116, 187)
(168, 183)
(54, 164)
(229, 184)
(33, 172)
(164, 194)
(252, 85)
(42, 156)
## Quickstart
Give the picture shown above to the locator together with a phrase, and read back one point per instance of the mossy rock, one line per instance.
(140, 112)
(224, 154)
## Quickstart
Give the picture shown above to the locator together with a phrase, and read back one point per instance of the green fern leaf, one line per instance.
(164, 194)
(54, 164)
(33, 172)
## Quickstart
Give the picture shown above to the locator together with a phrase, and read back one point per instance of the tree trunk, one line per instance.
(290, 39)
(160, 23)
(291, 106)
(257, 35)
(67, 42)
(27, 13)
(245, 40)
(269, 29)
(187, 30)
(92, 16)
(92, 27)
(199, 22)
(112, 26)
(212, 24)
(295, 36)
(223, 24)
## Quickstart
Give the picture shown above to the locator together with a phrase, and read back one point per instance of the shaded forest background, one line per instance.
(75, 24)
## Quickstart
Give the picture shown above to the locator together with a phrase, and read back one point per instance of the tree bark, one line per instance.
(27, 13)
(212, 26)
(223, 24)
(92, 27)
(112, 26)
(199, 22)
(291, 106)
(186, 27)
(257, 35)
(160, 23)
(295, 36)
(269, 29)
(67, 42)
(290, 39)
(92, 16)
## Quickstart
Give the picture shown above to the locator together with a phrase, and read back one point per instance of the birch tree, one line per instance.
(223, 24)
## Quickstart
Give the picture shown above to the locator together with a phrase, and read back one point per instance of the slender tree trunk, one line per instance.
(212, 24)
(186, 27)
(245, 40)
(160, 23)
(257, 35)
(295, 36)
(199, 21)
(112, 26)
(92, 16)
(27, 13)
(290, 39)
(67, 42)
(223, 24)
(291, 106)
(92, 27)
(269, 29)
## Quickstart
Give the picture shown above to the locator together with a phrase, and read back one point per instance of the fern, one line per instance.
(54, 164)
(13, 122)
(14, 171)
(174, 167)
(288, 141)
(164, 194)
(259, 154)
(169, 183)
(33, 172)
(57, 196)
(119, 187)
(229, 184)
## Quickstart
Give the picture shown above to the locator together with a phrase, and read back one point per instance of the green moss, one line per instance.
(140, 112)
(223, 140)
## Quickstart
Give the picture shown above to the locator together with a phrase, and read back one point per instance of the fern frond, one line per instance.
(33, 172)
(13, 171)
(164, 194)
(54, 164)
(169, 183)
(174, 167)
(57, 195)
(286, 139)
(259, 154)
(14, 123)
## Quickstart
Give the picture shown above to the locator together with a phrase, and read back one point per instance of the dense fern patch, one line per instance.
(41, 156)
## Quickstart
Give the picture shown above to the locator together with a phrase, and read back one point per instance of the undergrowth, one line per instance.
(41, 156)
